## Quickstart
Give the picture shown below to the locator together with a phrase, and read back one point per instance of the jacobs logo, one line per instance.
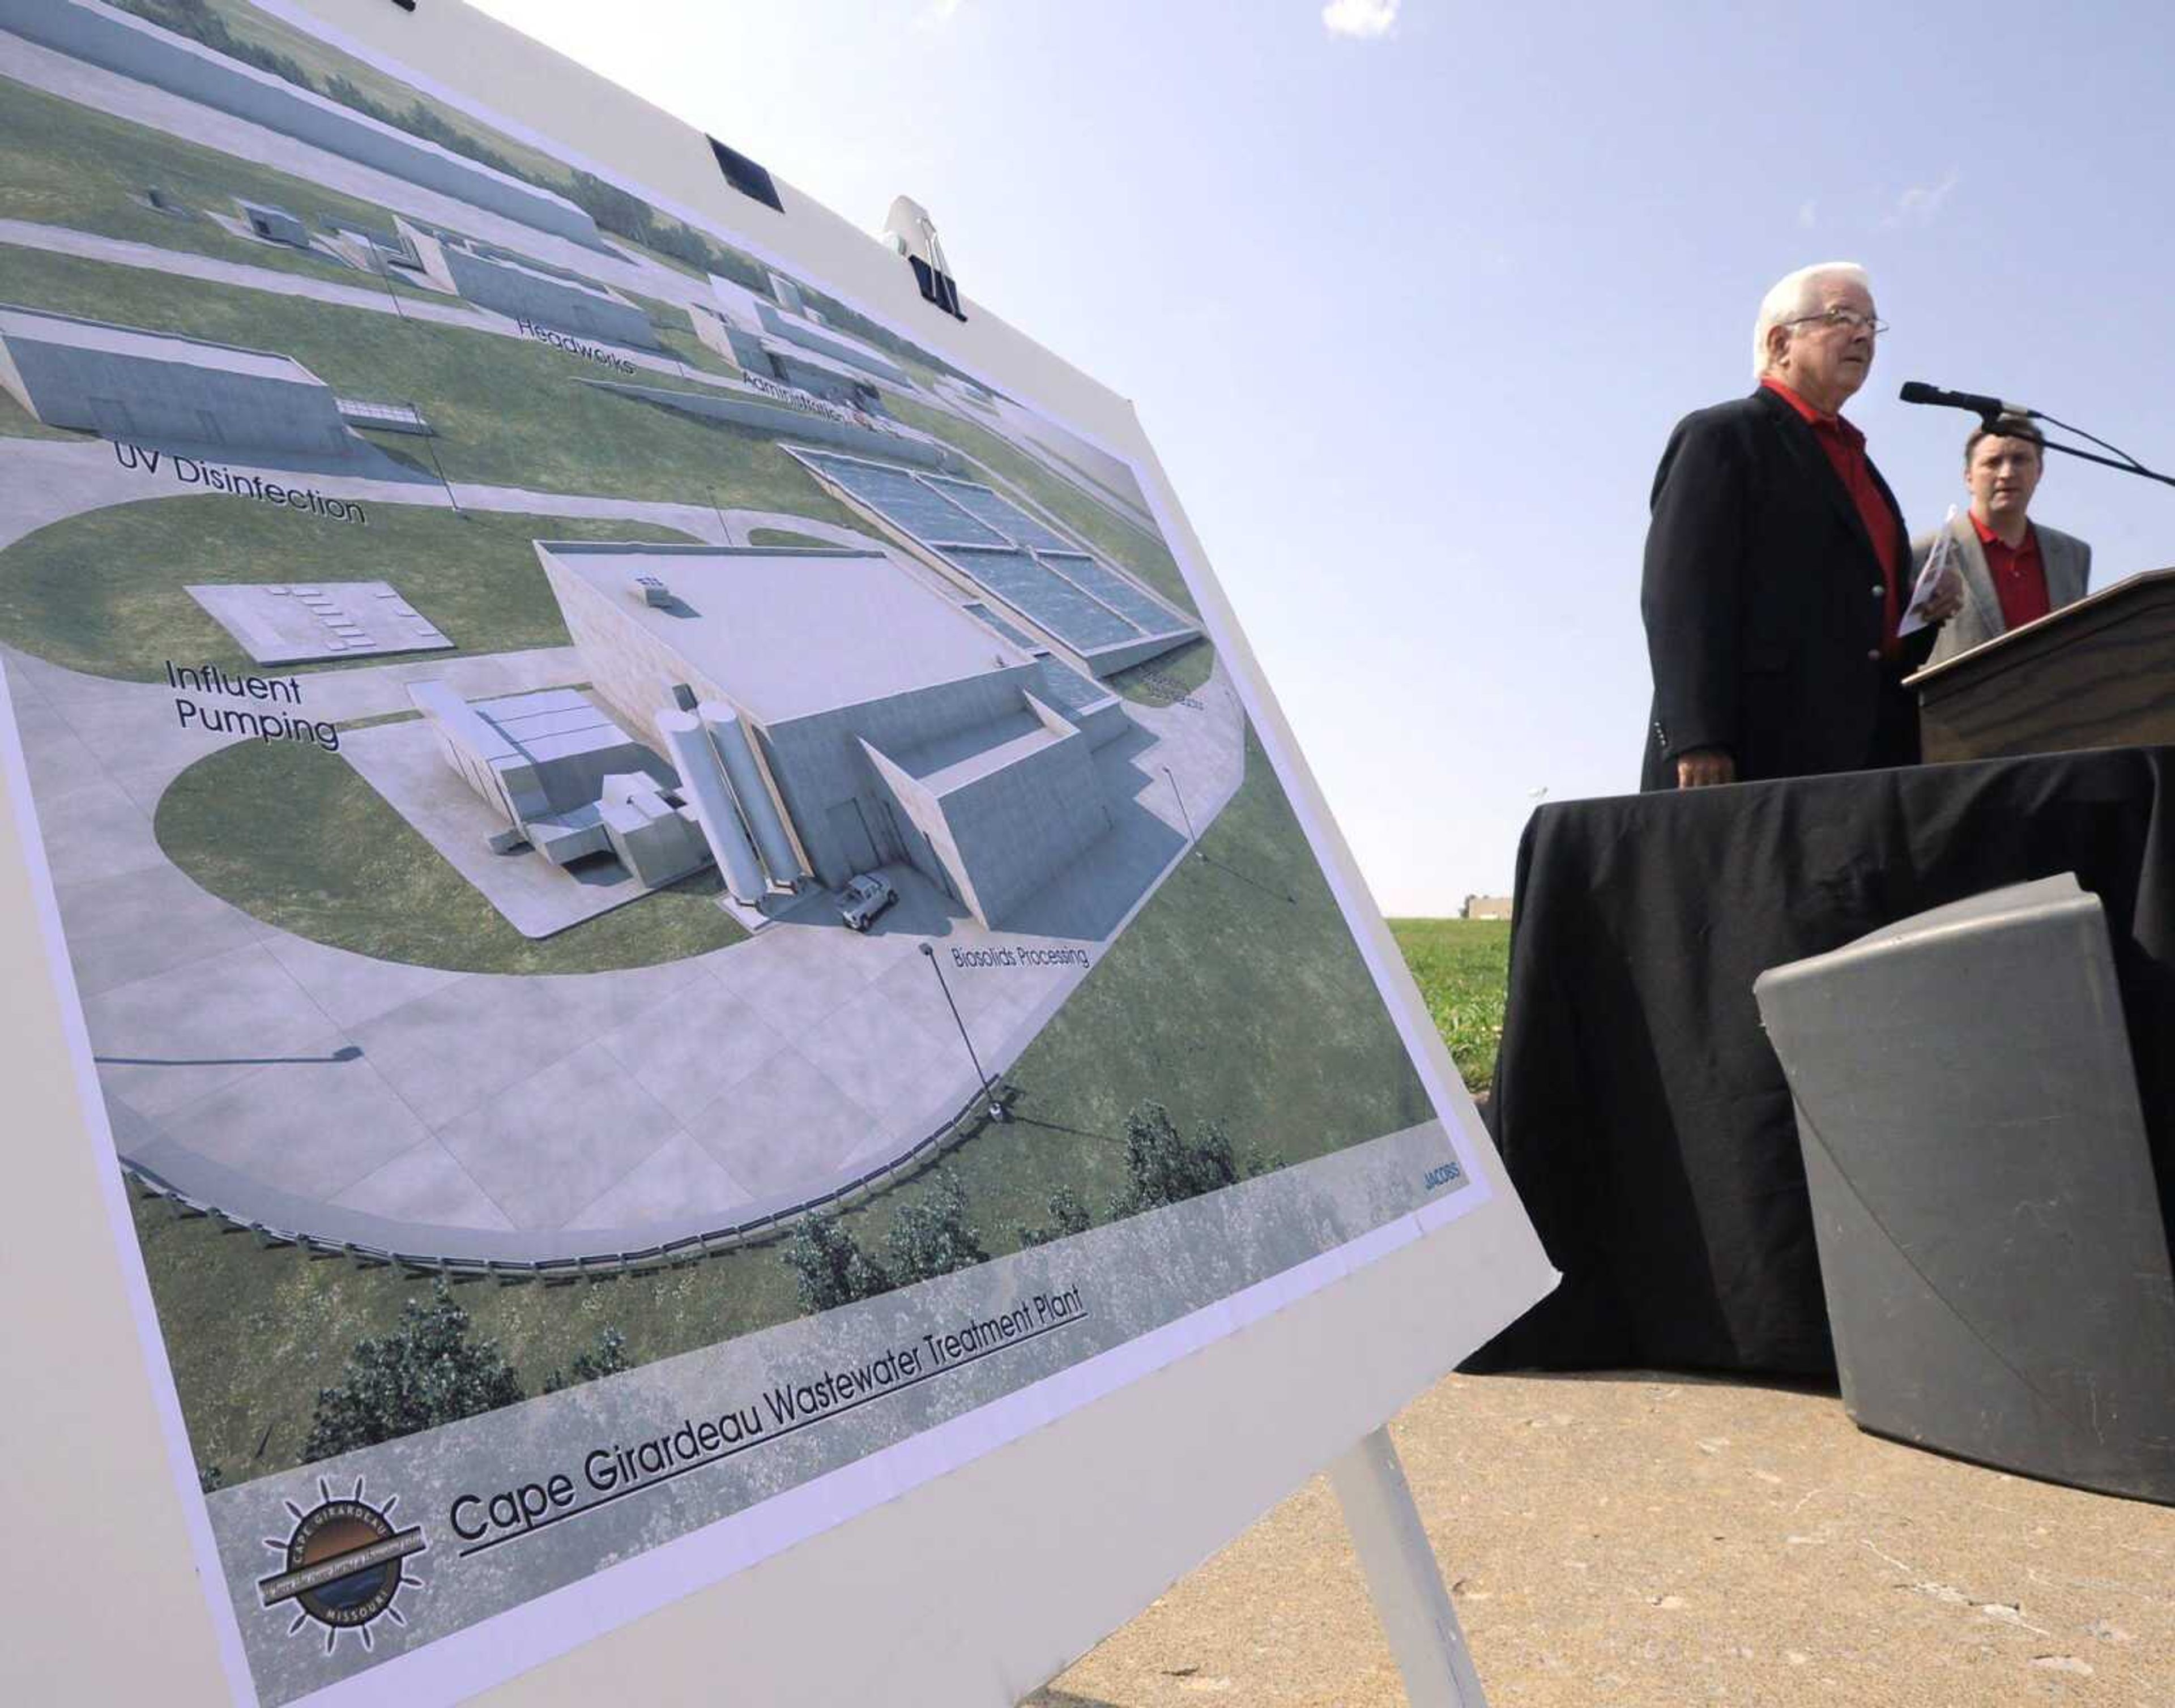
(344, 1565)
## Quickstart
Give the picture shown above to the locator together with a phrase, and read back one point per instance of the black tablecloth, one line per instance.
(1637, 1104)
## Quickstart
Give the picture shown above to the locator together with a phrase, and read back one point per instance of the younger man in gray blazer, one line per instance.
(2014, 570)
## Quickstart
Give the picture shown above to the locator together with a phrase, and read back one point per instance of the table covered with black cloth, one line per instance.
(1637, 1105)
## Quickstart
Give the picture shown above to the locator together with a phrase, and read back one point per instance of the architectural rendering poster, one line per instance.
(679, 921)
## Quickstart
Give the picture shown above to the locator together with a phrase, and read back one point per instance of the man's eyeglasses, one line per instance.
(1848, 319)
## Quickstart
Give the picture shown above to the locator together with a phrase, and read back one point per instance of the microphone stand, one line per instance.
(2128, 465)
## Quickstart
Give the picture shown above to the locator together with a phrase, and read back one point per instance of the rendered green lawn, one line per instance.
(784, 536)
(1200, 1004)
(327, 858)
(106, 592)
(1172, 676)
(17, 422)
(322, 63)
(508, 411)
(1463, 967)
(72, 165)
(1237, 995)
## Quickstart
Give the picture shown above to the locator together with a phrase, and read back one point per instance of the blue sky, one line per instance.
(1412, 312)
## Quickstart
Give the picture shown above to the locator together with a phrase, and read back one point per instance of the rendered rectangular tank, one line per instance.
(129, 383)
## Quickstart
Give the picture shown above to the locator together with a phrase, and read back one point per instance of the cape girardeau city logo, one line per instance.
(344, 1565)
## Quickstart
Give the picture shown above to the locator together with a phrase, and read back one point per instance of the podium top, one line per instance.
(2004, 648)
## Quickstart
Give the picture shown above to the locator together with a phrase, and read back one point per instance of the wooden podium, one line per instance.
(2100, 673)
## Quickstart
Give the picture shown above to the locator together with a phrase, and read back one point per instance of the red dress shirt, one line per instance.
(2019, 577)
(1845, 452)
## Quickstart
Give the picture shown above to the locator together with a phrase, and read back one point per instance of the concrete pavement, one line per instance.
(1633, 1541)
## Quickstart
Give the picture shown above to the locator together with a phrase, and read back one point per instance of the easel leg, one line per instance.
(1402, 1577)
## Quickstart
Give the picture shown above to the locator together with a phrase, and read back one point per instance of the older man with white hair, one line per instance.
(1777, 565)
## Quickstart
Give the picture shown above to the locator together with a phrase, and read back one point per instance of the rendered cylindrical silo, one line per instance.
(702, 780)
(730, 738)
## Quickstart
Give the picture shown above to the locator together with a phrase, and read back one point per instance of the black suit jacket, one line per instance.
(1763, 601)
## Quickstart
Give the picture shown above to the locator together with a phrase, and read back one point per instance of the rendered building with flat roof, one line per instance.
(766, 361)
(127, 383)
(567, 779)
(492, 278)
(838, 346)
(275, 225)
(856, 717)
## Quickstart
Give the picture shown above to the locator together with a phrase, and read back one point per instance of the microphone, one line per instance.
(1985, 408)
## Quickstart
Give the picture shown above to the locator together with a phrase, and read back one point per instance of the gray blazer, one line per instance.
(2067, 561)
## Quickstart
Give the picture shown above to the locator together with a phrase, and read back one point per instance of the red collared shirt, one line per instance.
(1845, 446)
(2019, 577)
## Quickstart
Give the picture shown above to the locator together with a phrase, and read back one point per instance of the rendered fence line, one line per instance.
(675, 1253)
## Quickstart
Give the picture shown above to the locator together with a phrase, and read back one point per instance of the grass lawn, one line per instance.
(17, 422)
(1172, 677)
(253, 1334)
(1236, 995)
(786, 536)
(105, 591)
(509, 411)
(325, 857)
(1463, 967)
(1146, 557)
(322, 62)
(72, 165)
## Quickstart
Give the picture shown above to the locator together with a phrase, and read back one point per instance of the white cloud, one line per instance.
(1920, 203)
(1808, 215)
(937, 13)
(1363, 19)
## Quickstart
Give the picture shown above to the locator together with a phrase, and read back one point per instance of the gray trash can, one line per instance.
(1990, 1238)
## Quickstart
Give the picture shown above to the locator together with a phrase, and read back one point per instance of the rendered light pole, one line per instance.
(997, 1110)
(1191, 835)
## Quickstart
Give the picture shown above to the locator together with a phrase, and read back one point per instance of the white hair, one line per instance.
(1795, 296)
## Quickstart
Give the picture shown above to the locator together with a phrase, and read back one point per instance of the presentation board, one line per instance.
(678, 915)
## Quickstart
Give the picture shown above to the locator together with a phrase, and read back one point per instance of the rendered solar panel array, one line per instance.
(1055, 585)
(1002, 514)
(1069, 691)
(908, 502)
(982, 613)
(1056, 604)
(1114, 590)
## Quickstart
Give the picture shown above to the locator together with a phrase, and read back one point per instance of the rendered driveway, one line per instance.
(481, 1116)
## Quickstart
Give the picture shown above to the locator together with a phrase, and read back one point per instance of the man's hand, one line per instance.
(1946, 599)
(1701, 766)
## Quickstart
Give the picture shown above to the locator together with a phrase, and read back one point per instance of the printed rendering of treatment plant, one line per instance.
(636, 599)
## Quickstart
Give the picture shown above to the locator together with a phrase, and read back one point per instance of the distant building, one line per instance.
(525, 290)
(1485, 908)
(829, 714)
(127, 383)
(275, 225)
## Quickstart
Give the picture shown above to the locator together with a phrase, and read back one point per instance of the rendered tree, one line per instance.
(1164, 1167)
(425, 1373)
(829, 1266)
(1069, 1214)
(607, 1359)
(934, 1237)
